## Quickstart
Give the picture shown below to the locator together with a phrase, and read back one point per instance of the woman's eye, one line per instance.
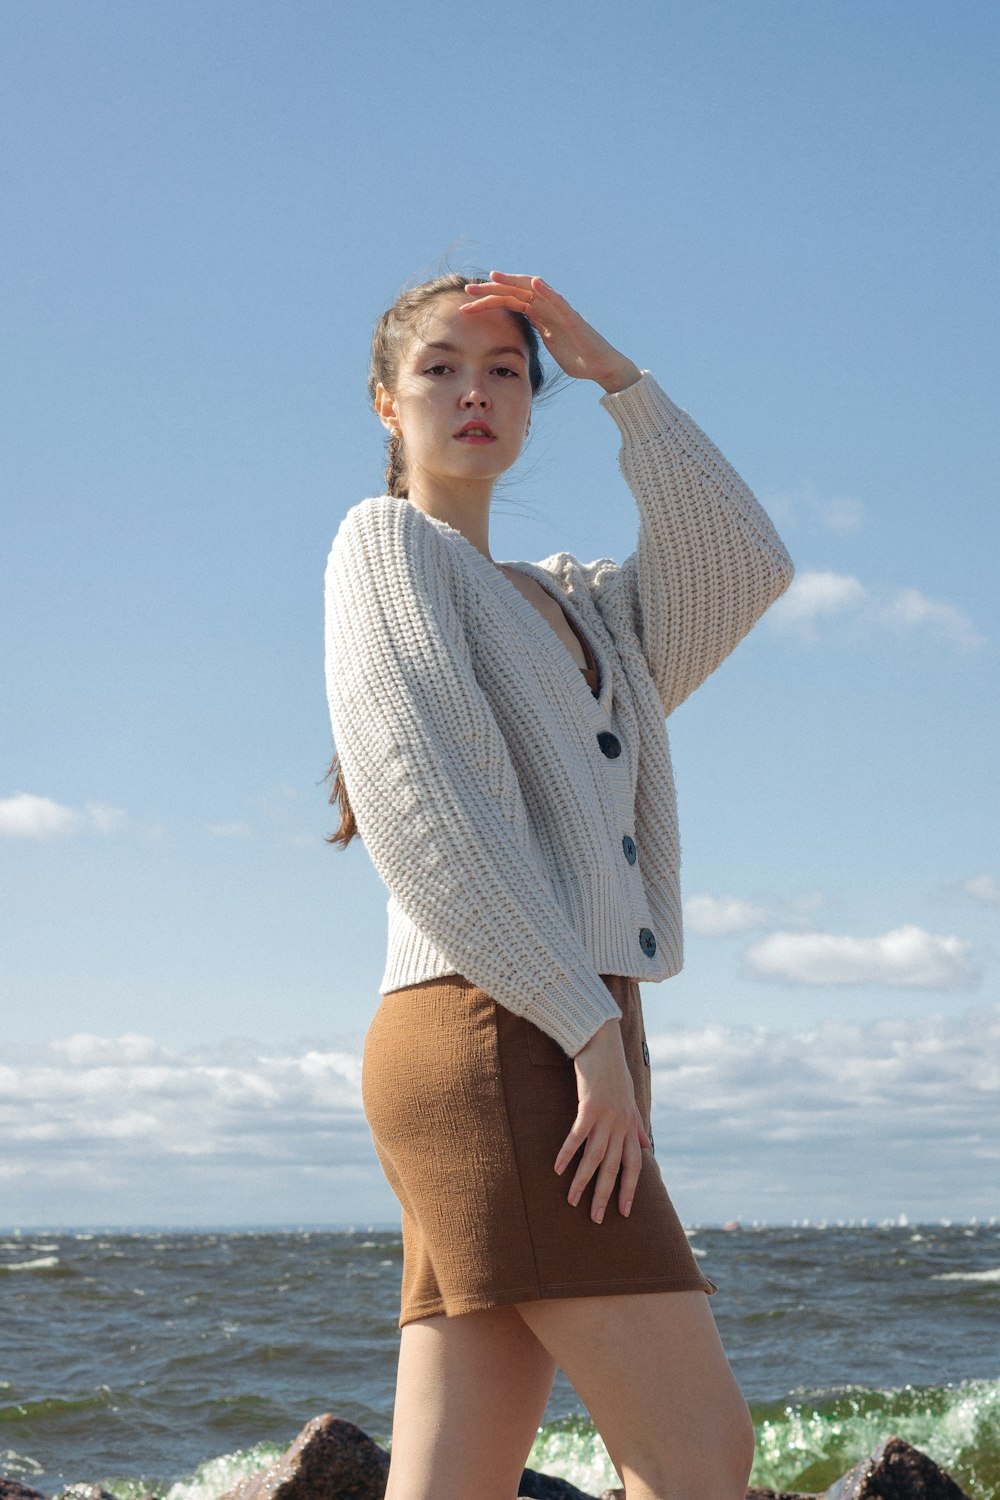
(436, 370)
(504, 370)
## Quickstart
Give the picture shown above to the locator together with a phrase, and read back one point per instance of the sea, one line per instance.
(175, 1363)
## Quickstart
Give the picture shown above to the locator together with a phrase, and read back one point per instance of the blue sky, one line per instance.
(788, 214)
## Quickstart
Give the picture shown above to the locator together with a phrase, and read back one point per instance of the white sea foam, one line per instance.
(43, 1263)
(217, 1475)
(19, 1463)
(992, 1275)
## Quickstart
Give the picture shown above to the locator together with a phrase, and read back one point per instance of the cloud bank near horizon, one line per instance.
(837, 1121)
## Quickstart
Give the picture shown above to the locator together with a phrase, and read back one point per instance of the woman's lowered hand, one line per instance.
(577, 348)
(608, 1124)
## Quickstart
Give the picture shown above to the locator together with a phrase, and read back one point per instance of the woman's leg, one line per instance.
(470, 1394)
(652, 1372)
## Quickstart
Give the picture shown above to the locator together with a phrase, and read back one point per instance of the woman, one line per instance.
(501, 746)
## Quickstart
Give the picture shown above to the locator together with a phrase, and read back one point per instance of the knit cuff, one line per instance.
(642, 409)
(592, 1006)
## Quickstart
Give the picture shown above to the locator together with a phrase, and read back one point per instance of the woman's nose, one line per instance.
(475, 398)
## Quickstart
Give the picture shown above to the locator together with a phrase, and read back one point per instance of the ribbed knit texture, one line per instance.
(469, 738)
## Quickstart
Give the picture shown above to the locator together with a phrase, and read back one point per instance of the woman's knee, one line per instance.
(712, 1463)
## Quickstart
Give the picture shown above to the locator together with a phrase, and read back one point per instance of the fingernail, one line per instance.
(598, 1215)
(627, 1209)
(574, 1199)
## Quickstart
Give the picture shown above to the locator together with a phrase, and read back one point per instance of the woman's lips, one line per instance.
(475, 432)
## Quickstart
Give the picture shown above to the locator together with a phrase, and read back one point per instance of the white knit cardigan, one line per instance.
(526, 830)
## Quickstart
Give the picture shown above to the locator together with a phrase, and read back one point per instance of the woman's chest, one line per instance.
(551, 612)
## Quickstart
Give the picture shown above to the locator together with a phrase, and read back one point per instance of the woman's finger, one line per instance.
(631, 1167)
(605, 1184)
(593, 1154)
(513, 300)
(525, 289)
(570, 1146)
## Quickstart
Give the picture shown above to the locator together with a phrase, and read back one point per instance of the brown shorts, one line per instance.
(468, 1106)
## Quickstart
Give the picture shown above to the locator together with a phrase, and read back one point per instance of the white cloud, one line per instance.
(104, 818)
(26, 816)
(984, 887)
(818, 596)
(812, 594)
(748, 1123)
(839, 514)
(907, 957)
(842, 1119)
(717, 916)
(907, 610)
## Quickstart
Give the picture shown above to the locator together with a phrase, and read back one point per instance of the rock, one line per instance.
(781, 1495)
(896, 1471)
(10, 1489)
(84, 1492)
(544, 1487)
(330, 1457)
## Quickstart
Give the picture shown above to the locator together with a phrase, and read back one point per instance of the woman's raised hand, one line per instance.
(573, 344)
(608, 1124)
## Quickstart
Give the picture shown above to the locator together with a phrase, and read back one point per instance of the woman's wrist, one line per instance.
(621, 377)
(606, 1034)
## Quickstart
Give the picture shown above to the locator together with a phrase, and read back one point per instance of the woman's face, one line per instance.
(462, 401)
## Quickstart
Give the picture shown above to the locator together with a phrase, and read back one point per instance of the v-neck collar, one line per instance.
(531, 617)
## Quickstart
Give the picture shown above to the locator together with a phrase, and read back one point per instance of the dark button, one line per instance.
(645, 1053)
(610, 744)
(647, 941)
(629, 846)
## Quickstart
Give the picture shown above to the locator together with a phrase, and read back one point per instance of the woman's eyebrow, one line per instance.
(501, 349)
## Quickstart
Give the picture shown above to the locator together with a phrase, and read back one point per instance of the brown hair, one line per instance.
(392, 331)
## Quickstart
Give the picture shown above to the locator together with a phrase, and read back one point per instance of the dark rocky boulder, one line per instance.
(896, 1471)
(544, 1487)
(10, 1489)
(781, 1495)
(330, 1457)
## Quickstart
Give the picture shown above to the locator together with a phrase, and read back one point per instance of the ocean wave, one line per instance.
(989, 1276)
(809, 1442)
(811, 1439)
(42, 1263)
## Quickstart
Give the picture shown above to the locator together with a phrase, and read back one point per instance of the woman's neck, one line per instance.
(466, 508)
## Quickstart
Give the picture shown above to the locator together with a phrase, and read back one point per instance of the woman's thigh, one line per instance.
(470, 1394)
(652, 1372)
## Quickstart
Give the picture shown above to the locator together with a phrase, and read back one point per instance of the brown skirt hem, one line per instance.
(458, 1307)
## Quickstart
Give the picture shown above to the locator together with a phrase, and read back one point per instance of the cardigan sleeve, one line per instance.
(431, 782)
(708, 561)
